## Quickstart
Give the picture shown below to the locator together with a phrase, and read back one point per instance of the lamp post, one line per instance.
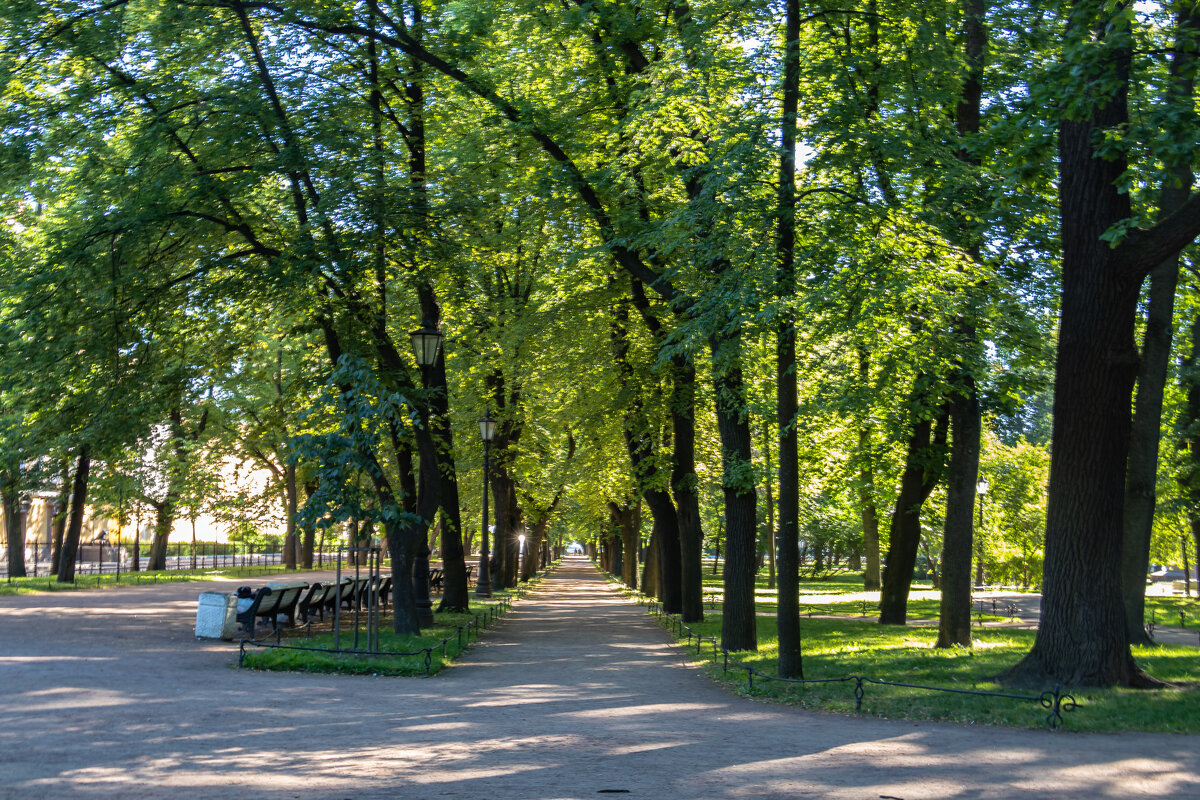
(981, 488)
(425, 343)
(520, 556)
(483, 584)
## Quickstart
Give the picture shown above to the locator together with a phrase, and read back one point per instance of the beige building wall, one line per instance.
(208, 529)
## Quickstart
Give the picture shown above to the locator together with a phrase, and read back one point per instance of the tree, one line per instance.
(1082, 638)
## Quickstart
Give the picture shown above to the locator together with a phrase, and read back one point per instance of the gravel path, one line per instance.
(575, 694)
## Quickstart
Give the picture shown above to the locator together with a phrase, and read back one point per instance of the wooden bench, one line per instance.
(437, 579)
(318, 597)
(269, 604)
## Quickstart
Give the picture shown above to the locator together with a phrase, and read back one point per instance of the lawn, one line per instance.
(1179, 612)
(108, 579)
(836, 648)
(428, 653)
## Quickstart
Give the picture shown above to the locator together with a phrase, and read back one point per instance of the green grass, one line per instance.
(49, 584)
(322, 658)
(445, 625)
(821, 597)
(1165, 611)
(836, 648)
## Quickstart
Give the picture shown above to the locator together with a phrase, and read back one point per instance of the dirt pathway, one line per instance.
(576, 694)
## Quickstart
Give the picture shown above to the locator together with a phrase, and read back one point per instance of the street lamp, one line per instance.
(425, 343)
(483, 584)
(981, 488)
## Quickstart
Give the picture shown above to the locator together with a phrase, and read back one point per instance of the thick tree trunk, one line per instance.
(1082, 639)
(921, 472)
(13, 531)
(954, 625)
(739, 629)
(650, 565)
(164, 520)
(534, 545)
(665, 540)
(66, 564)
(402, 545)
(290, 540)
(507, 517)
(628, 523)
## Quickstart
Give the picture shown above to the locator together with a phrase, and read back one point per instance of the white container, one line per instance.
(216, 615)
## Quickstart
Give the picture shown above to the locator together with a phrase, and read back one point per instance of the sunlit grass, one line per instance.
(1162, 610)
(15, 586)
(446, 638)
(835, 648)
(444, 629)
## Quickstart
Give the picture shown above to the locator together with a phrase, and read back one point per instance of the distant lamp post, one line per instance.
(483, 584)
(981, 488)
(425, 343)
(25, 505)
(520, 554)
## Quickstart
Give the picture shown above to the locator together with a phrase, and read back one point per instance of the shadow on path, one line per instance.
(575, 694)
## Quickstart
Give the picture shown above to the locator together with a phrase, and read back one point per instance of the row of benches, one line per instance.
(269, 604)
(307, 601)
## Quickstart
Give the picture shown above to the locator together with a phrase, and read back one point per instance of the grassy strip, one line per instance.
(445, 626)
(837, 648)
(111, 579)
(323, 659)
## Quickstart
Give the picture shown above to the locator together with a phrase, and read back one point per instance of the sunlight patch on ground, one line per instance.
(1127, 778)
(66, 698)
(637, 711)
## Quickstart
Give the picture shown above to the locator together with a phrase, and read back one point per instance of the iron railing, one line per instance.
(1055, 701)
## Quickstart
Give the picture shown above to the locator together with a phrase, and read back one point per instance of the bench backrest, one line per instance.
(289, 597)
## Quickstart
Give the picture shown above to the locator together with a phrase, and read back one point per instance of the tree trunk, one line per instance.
(1082, 639)
(739, 629)
(954, 581)
(684, 488)
(1141, 475)
(289, 538)
(650, 567)
(13, 530)
(921, 472)
(402, 545)
(954, 624)
(866, 486)
(665, 540)
(628, 523)
(786, 398)
(507, 516)
(771, 537)
(66, 564)
(164, 520)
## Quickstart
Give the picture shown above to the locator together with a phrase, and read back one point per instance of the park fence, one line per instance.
(116, 563)
(1054, 701)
